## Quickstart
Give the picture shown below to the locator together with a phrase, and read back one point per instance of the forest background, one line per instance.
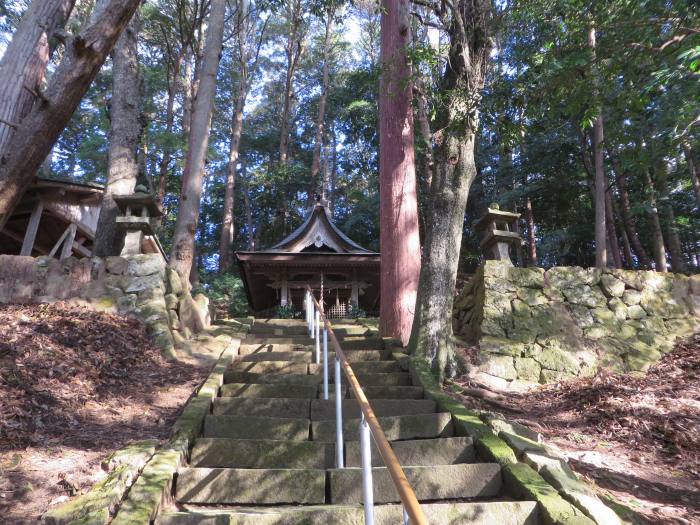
(296, 113)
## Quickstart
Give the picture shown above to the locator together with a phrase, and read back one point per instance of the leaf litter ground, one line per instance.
(76, 385)
(636, 436)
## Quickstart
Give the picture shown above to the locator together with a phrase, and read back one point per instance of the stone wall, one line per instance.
(140, 285)
(541, 326)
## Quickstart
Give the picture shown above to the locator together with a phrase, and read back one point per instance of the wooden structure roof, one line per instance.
(316, 250)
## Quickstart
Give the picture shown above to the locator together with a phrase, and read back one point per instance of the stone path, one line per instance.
(267, 452)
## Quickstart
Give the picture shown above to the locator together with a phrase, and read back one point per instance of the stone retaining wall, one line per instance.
(541, 326)
(140, 285)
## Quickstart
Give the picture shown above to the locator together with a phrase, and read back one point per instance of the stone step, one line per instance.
(309, 356)
(472, 513)
(262, 407)
(438, 482)
(256, 427)
(379, 392)
(360, 367)
(262, 454)
(323, 410)
(221, 486)
(290, 331)
(380, 379)
(396, 428)
(268, 390)
(269, 367)
(294, 342)
(262, 347)
(418, 452)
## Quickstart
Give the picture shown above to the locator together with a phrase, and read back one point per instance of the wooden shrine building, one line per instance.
(316, 253)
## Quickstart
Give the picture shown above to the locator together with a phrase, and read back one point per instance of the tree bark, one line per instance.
(32, 141)
(23, 65)
(398, 212)
(123, 167)
(657, 236)
(188, 215)
(612, 232)
(164, 166)
(693, 172)
(321, 117)
(601, 256)
(531, 233)
(678, 263)
(294, 49)
(425, 135)
(470, 44)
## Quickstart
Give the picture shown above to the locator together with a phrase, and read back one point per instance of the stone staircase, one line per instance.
(267, 452)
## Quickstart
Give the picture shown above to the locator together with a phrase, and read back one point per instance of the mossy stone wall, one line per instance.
(541, 326)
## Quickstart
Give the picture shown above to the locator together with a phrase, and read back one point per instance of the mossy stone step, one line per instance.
(252, 427)
(420, 426)
(323, 410)
(261, 347)
(221, 486)
(437, 482)
(262, 453)
(473, 513)
(361, 367)
(262, 407)
(418, 452)
(380, 379)
(296, 357)
(380, 392)
(268, 390)
(269, 367)
(277, 330)
(294, 342)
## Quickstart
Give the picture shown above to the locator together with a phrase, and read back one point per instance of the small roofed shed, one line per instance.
(318, 254)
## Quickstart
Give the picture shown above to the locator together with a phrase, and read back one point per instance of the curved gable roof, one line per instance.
(318, 230)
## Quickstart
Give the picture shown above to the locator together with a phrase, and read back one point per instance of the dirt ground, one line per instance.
(75, 385)
(636, 436)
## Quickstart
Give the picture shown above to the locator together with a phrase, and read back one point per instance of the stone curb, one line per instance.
(562, 497)
(145, 477)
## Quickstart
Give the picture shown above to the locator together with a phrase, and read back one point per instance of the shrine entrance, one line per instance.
(317, 254)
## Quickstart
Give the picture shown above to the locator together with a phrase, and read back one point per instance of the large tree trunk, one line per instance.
(294, 49)
(612, 232)
(657, 236)
(398, 212)
(678, 263)
(531, 233)
(627, 219)
(23, 65)
(316, 184)
(123, 167)
(693, 171)
(455, 170)
(188, 214)
(601, 255)
(227, 224)
(33, 140)
(425, 135)
(164, 166)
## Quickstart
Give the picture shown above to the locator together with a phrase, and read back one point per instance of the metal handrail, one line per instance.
(412, 509)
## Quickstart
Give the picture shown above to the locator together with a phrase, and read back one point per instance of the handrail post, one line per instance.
(339, 455)
(367, 488)
(325, 363)
(318, 338)
(406, 519)
(307, 305)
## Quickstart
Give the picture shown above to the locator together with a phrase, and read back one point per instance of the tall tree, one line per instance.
(122, 167)
(84, 55)
(188, 213)
(247, 31)
(294, 47)
(24, 62)
(467, 24)
(398, 214)
(316, 184)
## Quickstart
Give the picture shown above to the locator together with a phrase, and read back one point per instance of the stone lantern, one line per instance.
(135, 213)
(500, 230)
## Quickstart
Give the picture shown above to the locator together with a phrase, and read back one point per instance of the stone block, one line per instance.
(585, 295)
(136, 284)
(527, 368)
(527, 277)
(631, 297)
(520, 308)
(572, 276)
(116, 265)
(146, 264)
(618, 308)
(202, 302)
(189, 315)
(531, 296)
(173, 280)
(611, 285)
(499, 366)
(635, 311)
(501, 345)
(582, 315)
